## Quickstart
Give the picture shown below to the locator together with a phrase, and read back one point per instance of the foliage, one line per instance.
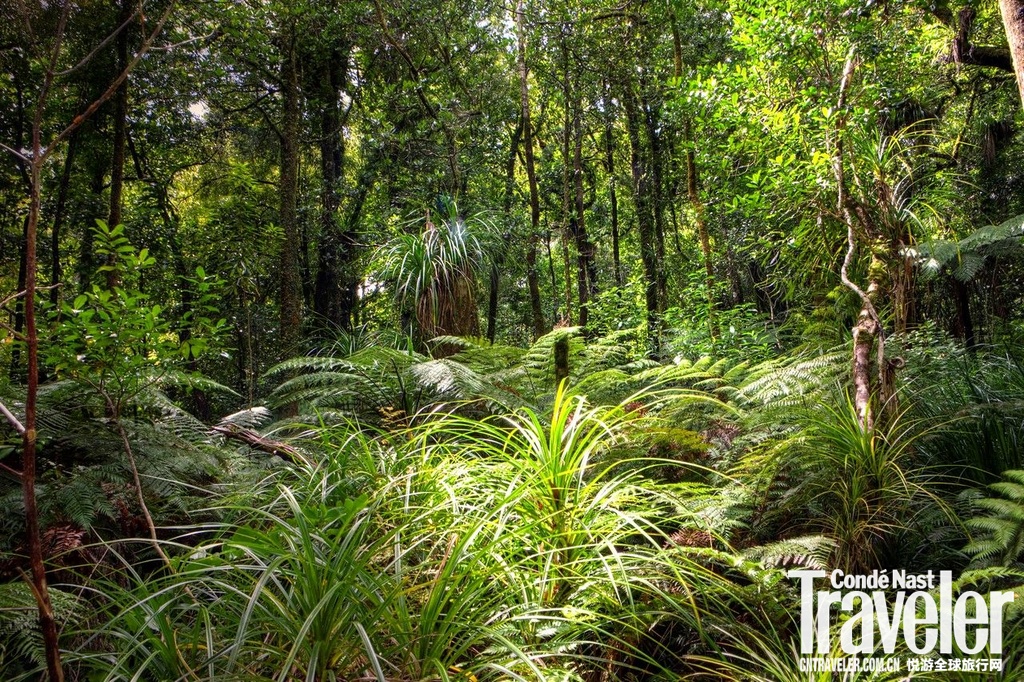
(395, 497)
(471, 549)
(970, 253)
(1000, 540)
(21, 642)
(436, 270)
(115, 341)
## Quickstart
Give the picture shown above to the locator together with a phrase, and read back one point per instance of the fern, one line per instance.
(808, 551)
(789, 381)
(1001, 531)
(966, 258)
(21, 641)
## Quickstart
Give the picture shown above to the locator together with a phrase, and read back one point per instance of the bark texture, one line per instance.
(1013, 20)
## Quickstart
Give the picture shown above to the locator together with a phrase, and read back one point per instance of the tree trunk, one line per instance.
(19, 305)
(47, 623)
(868, 326)
(586, 258)
(865, 332)
(58, 221)
(693, 193)
(609, 166)
(644, 215)
(532, 278)
(86, 266)
(963, 324)
(336, 279)
(655, 168)
(498, 259)
(567, 218)
(120, 135)
(561, 360)
(1013, 20)
(291, 293)
(39, 155)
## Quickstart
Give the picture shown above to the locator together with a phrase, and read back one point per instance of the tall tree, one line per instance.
(532, 276)
(1013, 20)
(290, 283)
(53, 20)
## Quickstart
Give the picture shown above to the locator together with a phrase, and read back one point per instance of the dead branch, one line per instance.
(18, 426)
(258, 442)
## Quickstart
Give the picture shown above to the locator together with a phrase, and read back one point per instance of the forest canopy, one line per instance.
(520, 339)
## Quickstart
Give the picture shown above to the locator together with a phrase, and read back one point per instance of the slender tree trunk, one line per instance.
(47, 623)
(86, 267)
(1013, 20)
(498, 259)
(200, 399)
(532, 277)
(693, 193)
(120, 122)
(39, 155)
(59, 210)
(551, 273)
(305, 267)
(656, 167)
(585, 252)
(644, 216)
(964, 325)
(19, 305)
(291, 292)
(567, 218)
(567, 276)
(609, 165)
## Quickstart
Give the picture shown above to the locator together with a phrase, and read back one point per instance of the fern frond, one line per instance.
(810, 551)
(1001, 541)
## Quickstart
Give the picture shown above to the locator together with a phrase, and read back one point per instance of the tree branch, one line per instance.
(12, 472)
(96, 50)
(18, 426)
(963, 52)
(115, 84)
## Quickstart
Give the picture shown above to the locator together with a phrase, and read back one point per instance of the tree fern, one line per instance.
(789, 381)
(965, 259)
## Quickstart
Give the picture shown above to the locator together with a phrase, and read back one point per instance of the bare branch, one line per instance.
(210, 37)
(18, 336)
(19, 294)
(116, 83)
(15, 152)
(14, 421)
(262, 443)
(106, 41)
(11, 471)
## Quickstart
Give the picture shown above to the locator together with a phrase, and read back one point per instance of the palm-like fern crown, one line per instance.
(965, 258)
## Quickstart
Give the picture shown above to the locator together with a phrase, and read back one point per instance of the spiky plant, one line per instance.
(502, 549)
(436, 269)
(862, 487)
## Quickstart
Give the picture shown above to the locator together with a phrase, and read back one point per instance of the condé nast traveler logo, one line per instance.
(884, 609)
